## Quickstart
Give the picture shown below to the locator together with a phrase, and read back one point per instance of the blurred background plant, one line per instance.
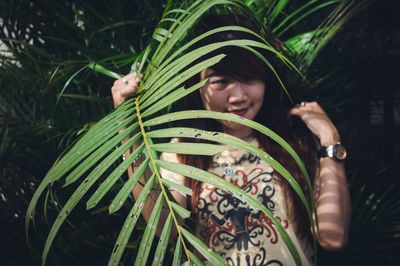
(45, 43)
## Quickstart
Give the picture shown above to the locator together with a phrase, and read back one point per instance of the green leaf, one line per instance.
(94, 138)
(90, 141)
(190, 148)
(167, 66)
(101, 69)
(211, 256)
(194, 260)
(277, 9)
(102, 151)
(113, 177)
(81, 191)
(302, 16)
(178, 80)
(69, 81)
(177, 187)
(162, 50)
(182, 212)
(126, 190)
(300, 43)
(130, 222)
(177, 254)
(328, 28)
(174, 11)
(172, 97)
(160, 33)
(149, 233)
(163, 242)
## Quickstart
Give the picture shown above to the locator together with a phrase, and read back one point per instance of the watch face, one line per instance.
(340, 152)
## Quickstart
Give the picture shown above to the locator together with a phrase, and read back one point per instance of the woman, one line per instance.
(241, 84)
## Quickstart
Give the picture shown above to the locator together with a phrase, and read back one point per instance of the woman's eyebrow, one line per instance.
(213, 74)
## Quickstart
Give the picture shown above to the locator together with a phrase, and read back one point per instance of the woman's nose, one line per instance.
(237, 93)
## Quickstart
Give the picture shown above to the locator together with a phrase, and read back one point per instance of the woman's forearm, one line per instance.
(333, 205)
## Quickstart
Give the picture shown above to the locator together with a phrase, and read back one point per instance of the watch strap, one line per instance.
(336, 151)
(326, 151)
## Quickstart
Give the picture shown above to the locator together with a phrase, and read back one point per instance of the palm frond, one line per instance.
(167, 65)
(309, 44)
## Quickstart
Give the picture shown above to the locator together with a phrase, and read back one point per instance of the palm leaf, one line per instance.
(150, 232)
(303, 13)
(163, 242)
(130, 223)
(165, 63)
(315, 40)
(177, 253)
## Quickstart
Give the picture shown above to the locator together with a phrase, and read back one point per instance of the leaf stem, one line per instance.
(163, 191)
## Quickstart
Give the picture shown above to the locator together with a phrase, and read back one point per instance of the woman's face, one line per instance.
(225, 94)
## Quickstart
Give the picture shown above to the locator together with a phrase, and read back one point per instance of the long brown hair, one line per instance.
(243, 65)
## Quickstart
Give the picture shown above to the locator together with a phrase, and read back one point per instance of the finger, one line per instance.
(130, 76)
(304, 107)
(129, 90)
(296, 110)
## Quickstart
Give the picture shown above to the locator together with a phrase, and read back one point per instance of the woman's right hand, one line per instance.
(125, 87)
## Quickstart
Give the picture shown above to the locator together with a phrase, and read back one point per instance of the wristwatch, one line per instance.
(336, 151)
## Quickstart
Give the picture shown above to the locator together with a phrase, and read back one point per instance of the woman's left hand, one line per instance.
(317, 122)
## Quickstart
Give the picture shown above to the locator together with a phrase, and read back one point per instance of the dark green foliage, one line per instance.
(48, 45)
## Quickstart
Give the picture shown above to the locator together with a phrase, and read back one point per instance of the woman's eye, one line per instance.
(219, 84)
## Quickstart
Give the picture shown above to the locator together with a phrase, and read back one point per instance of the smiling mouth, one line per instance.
(240, 112)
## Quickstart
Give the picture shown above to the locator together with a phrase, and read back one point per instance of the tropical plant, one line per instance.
(42, 44)
(141, 117)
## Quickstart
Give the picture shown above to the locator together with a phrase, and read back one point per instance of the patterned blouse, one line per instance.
(229, 226)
